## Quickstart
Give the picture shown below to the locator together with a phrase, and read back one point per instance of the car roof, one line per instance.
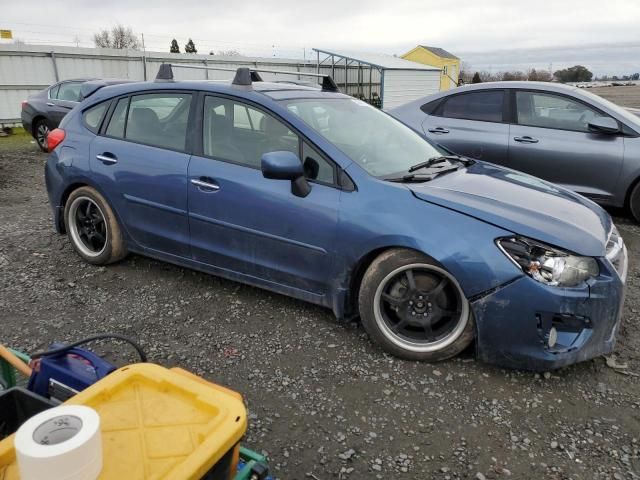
(549, 86)
(271, 90)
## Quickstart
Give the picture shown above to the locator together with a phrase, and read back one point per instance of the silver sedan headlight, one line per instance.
(548, 265)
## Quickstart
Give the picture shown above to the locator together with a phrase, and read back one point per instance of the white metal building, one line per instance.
(398, 81)
(25, 69)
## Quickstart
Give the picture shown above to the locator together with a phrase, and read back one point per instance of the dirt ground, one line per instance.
(629, 96)
(324, 402)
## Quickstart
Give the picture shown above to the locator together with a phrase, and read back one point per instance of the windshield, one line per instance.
(377, 142)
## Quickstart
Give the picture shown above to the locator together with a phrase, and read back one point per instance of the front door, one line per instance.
(245, 223)
(140, 162)
(551, 140)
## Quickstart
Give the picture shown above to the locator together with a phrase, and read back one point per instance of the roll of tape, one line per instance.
(63, 443)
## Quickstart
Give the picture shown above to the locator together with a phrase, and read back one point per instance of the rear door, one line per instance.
(141, 161)
(243, 222)
(551, 139)
(472, 124)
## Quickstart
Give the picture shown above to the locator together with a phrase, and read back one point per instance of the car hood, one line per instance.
(522, 204)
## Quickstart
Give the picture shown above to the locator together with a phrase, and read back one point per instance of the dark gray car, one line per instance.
(562, 134)
(44, 110)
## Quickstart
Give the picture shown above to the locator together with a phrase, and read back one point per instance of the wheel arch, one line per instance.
(361, 266)
(34, 123)
(632, 185)
(83, 182)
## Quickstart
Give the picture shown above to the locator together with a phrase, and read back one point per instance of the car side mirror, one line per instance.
(283, 165)
(604, 125)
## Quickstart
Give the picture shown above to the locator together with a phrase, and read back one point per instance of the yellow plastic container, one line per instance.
(157, 424)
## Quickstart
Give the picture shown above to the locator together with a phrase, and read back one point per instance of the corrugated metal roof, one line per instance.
(379, 60)
(441, 52)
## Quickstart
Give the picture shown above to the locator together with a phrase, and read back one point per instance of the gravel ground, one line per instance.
(324, 402)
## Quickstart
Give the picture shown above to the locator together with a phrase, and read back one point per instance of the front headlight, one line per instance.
(547, 264)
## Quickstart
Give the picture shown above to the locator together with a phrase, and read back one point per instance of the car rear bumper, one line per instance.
(516, 321)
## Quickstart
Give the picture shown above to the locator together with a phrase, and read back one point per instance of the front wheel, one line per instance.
(93, 228)
(414, 308)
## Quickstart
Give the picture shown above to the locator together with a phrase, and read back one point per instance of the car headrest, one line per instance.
(144, 116)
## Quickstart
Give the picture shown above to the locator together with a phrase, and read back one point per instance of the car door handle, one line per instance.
(526, 139)
(205, 184)
(107, 158)
(438, 130)
(51, 104)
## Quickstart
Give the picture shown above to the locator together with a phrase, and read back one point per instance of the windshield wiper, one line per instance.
(412, 177)
(422, 177)
(435, 160)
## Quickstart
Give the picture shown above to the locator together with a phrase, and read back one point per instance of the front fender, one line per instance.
(384, 215)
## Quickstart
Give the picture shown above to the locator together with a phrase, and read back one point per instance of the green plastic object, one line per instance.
(251, 460)
(8, 375)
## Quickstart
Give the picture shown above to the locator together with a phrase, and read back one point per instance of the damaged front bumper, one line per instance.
(529, 325)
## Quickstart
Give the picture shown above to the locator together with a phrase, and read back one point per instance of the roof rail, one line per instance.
(244, 75)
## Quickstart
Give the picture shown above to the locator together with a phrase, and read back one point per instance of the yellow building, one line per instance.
(438, 57)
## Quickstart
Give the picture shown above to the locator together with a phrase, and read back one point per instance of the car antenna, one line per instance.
(244, 76)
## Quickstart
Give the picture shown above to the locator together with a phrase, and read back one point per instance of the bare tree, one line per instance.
(120, 37)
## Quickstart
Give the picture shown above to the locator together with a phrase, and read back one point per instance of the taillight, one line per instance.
(24, 104)
(55, 138)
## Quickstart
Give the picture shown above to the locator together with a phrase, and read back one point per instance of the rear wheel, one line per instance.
(93, 228)
(40, 132)
(414, 308)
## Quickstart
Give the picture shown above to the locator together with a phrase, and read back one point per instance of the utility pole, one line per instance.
(144, 58)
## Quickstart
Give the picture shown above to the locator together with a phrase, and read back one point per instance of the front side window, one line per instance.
(539, 109)
(481, 106)
(242, 134)
(159, 120)
(69, 92)
(315, 166)
(374, 140)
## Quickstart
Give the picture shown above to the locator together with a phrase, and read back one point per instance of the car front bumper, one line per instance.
(516, 321)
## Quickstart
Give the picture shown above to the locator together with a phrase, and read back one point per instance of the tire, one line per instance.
(424, 318)
(634, 202)
(40, 131)
(93, 228)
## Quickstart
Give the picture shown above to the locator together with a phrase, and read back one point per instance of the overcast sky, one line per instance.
(488, 34)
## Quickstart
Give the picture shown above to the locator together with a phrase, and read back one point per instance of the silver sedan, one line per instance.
(562, 134)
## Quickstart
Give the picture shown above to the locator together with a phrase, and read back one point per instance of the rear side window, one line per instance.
(118, 119)
(93, 117)
(482, 106)
(69, 92)
(430, 107)
(159, 119)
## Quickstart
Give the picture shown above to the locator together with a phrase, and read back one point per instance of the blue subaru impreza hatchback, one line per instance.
(317, 195)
